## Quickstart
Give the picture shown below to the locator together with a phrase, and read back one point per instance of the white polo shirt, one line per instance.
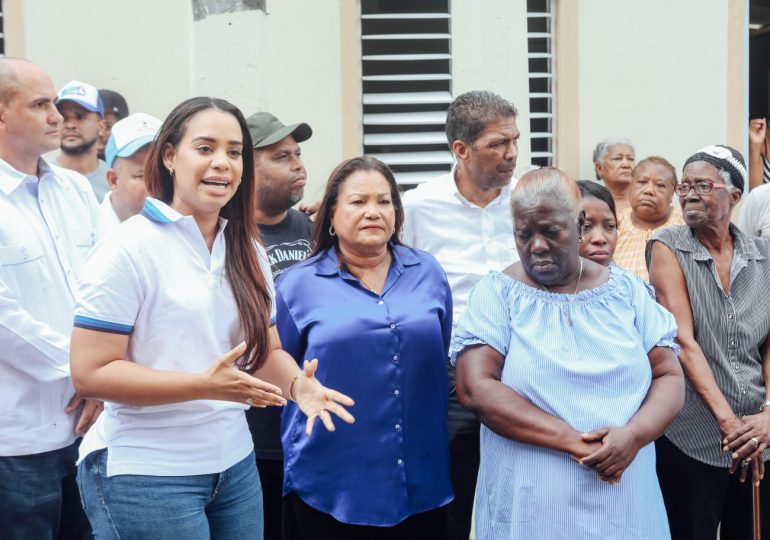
(108, 218)
(47, 227)
(467, 240)
(154, 279)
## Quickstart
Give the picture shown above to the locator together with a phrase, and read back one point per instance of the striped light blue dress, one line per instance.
(582, 358)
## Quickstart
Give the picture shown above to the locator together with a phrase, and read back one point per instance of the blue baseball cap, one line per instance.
(83, 94)
(130, 135)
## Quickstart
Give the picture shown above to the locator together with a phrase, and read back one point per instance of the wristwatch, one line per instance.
(765, 405)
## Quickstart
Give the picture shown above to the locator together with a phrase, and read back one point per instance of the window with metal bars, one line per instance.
(406, 69)
(2, 31)
(541, 96)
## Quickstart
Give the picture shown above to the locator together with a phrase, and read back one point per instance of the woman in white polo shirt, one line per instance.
(160, 301)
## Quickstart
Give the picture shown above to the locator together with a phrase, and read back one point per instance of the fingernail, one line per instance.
(735, 455)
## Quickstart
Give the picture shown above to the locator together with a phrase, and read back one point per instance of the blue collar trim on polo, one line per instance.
(328, 263)
(159, 211)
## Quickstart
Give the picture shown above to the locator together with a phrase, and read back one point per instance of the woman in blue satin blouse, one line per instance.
(379, 315)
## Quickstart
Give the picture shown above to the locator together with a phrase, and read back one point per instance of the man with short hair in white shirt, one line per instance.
(125, 153)
(47, 228)
(464, 219)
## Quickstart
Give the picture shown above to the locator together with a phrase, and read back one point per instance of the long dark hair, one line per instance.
(322, 240)
(241, 234)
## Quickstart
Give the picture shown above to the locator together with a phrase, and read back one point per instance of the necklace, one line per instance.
(386, 263)
(565, 308)
(577, 285)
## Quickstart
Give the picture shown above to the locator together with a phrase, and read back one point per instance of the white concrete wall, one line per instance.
(286, 61)
(140, 48)
(489, 52)
(655, 72)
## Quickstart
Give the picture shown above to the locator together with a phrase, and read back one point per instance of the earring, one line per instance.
(332, 232)
(171, 171)
(394, 229)
(580, 239)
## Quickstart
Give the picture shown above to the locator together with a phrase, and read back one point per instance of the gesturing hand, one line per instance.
(316, 401)
(619, 448)
(223, 381)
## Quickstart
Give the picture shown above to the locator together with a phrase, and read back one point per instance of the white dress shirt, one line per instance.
(47, 227)
(467, 240)
(108, 219)
(755, 215)
(154, 279)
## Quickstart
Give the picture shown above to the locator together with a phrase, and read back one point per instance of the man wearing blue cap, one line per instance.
(125, 152)
(83, 111)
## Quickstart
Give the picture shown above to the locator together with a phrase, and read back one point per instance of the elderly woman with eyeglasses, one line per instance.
(715, 280)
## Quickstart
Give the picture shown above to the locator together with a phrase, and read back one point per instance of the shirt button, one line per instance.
(397, 391)
(397, 426)
(732, 343)
(393, 325)
(395, 357)
(380, 302)
(400, 461)
(730, 316)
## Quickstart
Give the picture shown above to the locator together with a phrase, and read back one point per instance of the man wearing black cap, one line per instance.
(280, 177)
(115, 109)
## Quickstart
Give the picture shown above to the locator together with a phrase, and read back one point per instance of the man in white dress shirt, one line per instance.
(125, 153)
(47, 228)
(463, 218)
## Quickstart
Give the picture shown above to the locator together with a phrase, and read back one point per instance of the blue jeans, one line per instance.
(39, 497)
(222, 506)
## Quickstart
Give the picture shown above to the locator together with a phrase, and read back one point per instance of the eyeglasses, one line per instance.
(701, 188)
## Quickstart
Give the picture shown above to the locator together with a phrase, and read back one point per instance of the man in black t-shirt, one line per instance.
(280, 178)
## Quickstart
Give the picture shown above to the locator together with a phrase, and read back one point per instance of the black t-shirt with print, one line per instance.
(286, 243)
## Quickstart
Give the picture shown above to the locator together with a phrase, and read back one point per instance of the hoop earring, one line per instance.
(332, 232)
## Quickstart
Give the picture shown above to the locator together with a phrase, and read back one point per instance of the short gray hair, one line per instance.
(547, 183)
(603, 148)
(469, 114)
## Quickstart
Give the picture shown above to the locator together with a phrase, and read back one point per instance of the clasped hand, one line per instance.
(747, 438)
(618, 448)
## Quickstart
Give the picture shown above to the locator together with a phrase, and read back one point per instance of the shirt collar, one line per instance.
(10, 178)
(328, 262)
(744, 247)
(502, 198)
(159, 212)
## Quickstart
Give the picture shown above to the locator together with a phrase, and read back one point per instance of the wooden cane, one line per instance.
(755, 511)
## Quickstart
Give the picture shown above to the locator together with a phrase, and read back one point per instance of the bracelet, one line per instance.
(294, 399)
(765, 405)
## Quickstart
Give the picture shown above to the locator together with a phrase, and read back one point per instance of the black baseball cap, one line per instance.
(114, 103)
(266, 129)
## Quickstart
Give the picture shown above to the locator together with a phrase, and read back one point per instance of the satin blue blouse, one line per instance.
(388, 352)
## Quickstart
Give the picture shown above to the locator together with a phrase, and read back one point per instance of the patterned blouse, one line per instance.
(729, 328)
(629, 252)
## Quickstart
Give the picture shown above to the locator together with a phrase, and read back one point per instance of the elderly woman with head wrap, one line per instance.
(571, 368)
(614, 161)
(653, 181)
(715, 279)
